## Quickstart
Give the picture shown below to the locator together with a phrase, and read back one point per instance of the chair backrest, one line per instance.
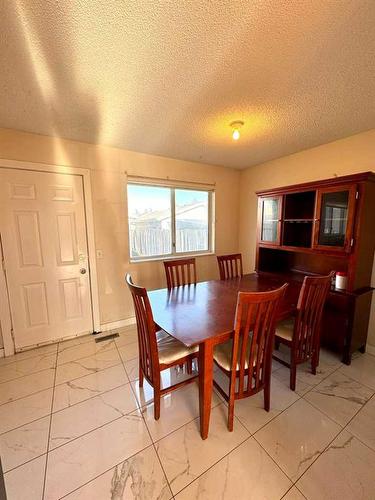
(311, 300)
(230, 266)
(180, 272)
(255, 322)
(148, 350)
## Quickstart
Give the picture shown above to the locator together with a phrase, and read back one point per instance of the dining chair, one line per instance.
(180, 272)
(158, 350)
(246, 359)
(230, 266)
(302, 333)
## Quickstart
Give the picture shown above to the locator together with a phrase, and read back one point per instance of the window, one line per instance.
(168, 221)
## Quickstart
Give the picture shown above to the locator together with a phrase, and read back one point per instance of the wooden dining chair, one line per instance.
(180, 272)
(246, 359)
(158, 350)
(230, 266)
(302, 333)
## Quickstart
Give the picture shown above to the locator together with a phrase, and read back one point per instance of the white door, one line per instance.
(43, 230)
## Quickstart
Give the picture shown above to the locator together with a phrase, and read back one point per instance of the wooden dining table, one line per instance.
(203, 315)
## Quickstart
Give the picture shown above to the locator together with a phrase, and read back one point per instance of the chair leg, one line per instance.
(230, 414)
(156, 403)
(277, 345)
(293, 375)
(317, 356)
(267, 396)
(140, 377)
(314, 363)
(231, 399)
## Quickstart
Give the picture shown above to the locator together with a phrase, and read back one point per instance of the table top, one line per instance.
(195, 313)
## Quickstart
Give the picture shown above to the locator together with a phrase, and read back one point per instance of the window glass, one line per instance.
(270, 219)
(191, 220)
(165, 221)
(150, 216)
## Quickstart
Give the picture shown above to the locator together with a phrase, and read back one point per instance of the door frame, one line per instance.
(85, 174)
(5, 316)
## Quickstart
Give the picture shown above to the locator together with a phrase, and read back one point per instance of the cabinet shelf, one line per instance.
(295, 249)
(299, 206)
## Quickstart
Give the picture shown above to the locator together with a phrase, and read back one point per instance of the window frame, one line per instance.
(174, 254)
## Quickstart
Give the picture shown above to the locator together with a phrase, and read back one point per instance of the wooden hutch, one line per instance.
(317, 227)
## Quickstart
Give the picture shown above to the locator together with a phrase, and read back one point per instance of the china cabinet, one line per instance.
(317, 227)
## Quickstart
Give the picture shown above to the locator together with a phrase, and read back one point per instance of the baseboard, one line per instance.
(370, 349)
(105, 327)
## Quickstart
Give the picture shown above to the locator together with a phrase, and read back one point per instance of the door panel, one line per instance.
(71, 298)
(270, 210)
(62, 193)
(66, 239)
(22, 191)
(36, 305)
(28, 239)
(334, 218)
(43, 227)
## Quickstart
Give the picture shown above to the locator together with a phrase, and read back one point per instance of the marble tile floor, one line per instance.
(74, 424)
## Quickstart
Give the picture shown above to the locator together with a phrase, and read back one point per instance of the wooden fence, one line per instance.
(146, 242)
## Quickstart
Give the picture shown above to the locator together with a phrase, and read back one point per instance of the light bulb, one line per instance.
(236, 125)
(236, 134)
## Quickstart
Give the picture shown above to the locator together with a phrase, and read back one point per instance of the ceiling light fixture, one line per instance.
(236, 125)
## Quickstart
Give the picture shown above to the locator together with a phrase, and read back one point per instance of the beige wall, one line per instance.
(108, 167)
(343, 157)
(235, 199)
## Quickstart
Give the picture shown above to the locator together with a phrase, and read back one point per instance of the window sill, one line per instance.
(171, 257)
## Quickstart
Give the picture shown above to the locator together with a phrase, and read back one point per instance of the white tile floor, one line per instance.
(74, 424)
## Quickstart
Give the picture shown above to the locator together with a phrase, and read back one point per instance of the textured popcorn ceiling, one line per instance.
(167, 77)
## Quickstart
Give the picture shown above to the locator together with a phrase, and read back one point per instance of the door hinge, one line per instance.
(356, 195)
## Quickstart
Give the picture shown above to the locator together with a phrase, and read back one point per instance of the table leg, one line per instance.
(206, 362)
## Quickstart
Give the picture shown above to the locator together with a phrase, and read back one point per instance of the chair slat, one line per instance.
(179, 272)
(230, 266)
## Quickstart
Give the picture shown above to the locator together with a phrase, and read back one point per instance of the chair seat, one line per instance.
(223, 354)
(170, 349)
(284, 330)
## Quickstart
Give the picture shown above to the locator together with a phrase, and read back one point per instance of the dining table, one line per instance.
(202, 315)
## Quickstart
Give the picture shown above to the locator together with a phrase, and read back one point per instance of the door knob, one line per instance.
(82, 271)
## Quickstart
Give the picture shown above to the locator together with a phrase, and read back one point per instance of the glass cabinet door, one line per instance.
(335, 210)
(270, 209)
